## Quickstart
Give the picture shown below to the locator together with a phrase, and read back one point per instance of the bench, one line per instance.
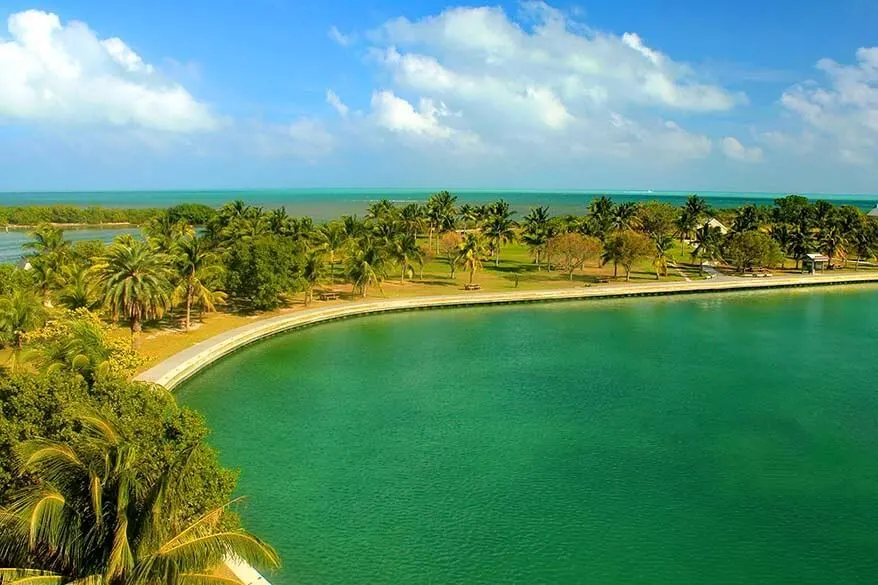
(472, 286)
(328, 295)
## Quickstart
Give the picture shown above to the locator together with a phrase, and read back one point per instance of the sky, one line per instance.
(741, 95)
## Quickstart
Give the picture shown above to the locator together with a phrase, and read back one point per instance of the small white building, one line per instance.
(873, 213)
(715, 223)
(814, 262)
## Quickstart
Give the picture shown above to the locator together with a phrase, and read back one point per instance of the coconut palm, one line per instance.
(164, 232)
(625, 216)
(865, 242)
(413, 217)
(381, 211)
(441, 215)
(472, 250)
(708, 244)
(95, 515)
(613, 252)
(406, 252)
(48, 240)
(686, 224)
(45, 276)
(499, 228)
(746, 219)
(663, 244)
(801, 243)
(366, 266)
(332, 239)
(697, 207)
(782, 233)
(83, 349)
(831, 240)
(198, 270)
(536, 231)
(600, 217)
(313, 269)
(20, 313)
(136, 281)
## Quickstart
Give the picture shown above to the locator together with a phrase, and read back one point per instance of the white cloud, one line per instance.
(734, 150)
(844, 113)
(333, 100)
(340, 38)
(398, 115)
(63, 73)
(545, 80)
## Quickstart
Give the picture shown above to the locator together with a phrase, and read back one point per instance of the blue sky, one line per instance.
(746, 95)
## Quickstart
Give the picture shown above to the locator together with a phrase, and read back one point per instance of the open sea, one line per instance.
(326, 204)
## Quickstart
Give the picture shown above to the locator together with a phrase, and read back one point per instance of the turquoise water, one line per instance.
(12, 241)
(329, 203)
(708, 439)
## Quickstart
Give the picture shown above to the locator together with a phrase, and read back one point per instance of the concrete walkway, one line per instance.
(179, 367)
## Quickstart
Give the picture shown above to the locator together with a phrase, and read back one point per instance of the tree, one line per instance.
(631, 247)
(831, 240)
(536, 231)
(413, 217)
(783, 235)
(570, 251)
(312, 271)
(406, 252)
(332, 238)
(499, 228)
(697, 207)
(752, 249)
(136, 282)
(801, 243)
(708, 244)
(96, 515)
(199, 271)
(600, 217)
(865, 241)
(367, 266)
(441, 214)
(746, 219)
(258, 271)
(471, 252)
(686, 225)
(657, 218)
(381, 211)
(663, 243)
(164, 233)
(449, 246)
(79, 289)
(48, 240)
(20, 313)
(626, 217)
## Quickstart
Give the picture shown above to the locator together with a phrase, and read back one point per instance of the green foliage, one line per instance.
(259, 271)
(192, 213)
(752, 249)
(69, 214)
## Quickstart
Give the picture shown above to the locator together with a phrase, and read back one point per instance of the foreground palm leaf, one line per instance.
(94, 516)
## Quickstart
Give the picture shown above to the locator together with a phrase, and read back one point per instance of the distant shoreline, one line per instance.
(110, 225)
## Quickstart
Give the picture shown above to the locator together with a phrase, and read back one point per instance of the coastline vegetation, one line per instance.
(105, 478)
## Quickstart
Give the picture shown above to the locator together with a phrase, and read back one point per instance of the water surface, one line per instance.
(705, 439)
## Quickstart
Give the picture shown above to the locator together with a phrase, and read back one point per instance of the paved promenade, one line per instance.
(177, 368)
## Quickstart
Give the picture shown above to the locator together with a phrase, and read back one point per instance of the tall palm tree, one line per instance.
(20, 313)
(198, 270)
(366, 266)
(686, 224)
(697, 207)
(708, 244)
(136, 281)
(600, 217)
(95, 515)
(782, 233)
(613, 252)
(164, 232)
(413, 217)
(831, 240)
(406, 252)
(746, 219)
(801, 243)
(382, 210)
(472, 250)
(625, 216)
(662, 253)
(332, 238)
(536, 231)
(865, 242)
(441, 215)
(83, 348)
(313, 268)
(500, 228)
(47, 240)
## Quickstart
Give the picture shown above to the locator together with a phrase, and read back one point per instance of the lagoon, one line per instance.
(720, 438)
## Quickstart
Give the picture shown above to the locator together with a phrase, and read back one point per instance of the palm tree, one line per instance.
(440, 215)
(661, 255)
(79, 290)
(136, 281)
(380, 211)
(164, 233)
(782, 233)
(95, 515)
(686, 224)
(613, 252)
(405, 252)
(746, 219)
(472, 249)
(312, 271)
(48, 240)
(697, 207)
(801, 243)
(536, 232)
(625, 216)
(44, 273)
(412, 217)
(198, 270)
(865, 241)
(600, 217)
(20, 313)
(366, 266)
(332, 238)
(831, 240)
(500, 228)
(708, 242)
(83, 348)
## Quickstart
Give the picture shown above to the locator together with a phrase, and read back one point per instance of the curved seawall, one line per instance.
(174, 370)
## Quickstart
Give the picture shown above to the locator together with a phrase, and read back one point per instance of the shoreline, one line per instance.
(179, 367)
(15, 227)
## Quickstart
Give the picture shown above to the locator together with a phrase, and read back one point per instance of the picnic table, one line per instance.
(328, 295)
(473, 286)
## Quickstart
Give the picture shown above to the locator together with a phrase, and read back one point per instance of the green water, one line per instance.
(704, 440)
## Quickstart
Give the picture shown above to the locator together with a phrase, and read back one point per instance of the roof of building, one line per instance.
(818, 257)
(873, 212)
